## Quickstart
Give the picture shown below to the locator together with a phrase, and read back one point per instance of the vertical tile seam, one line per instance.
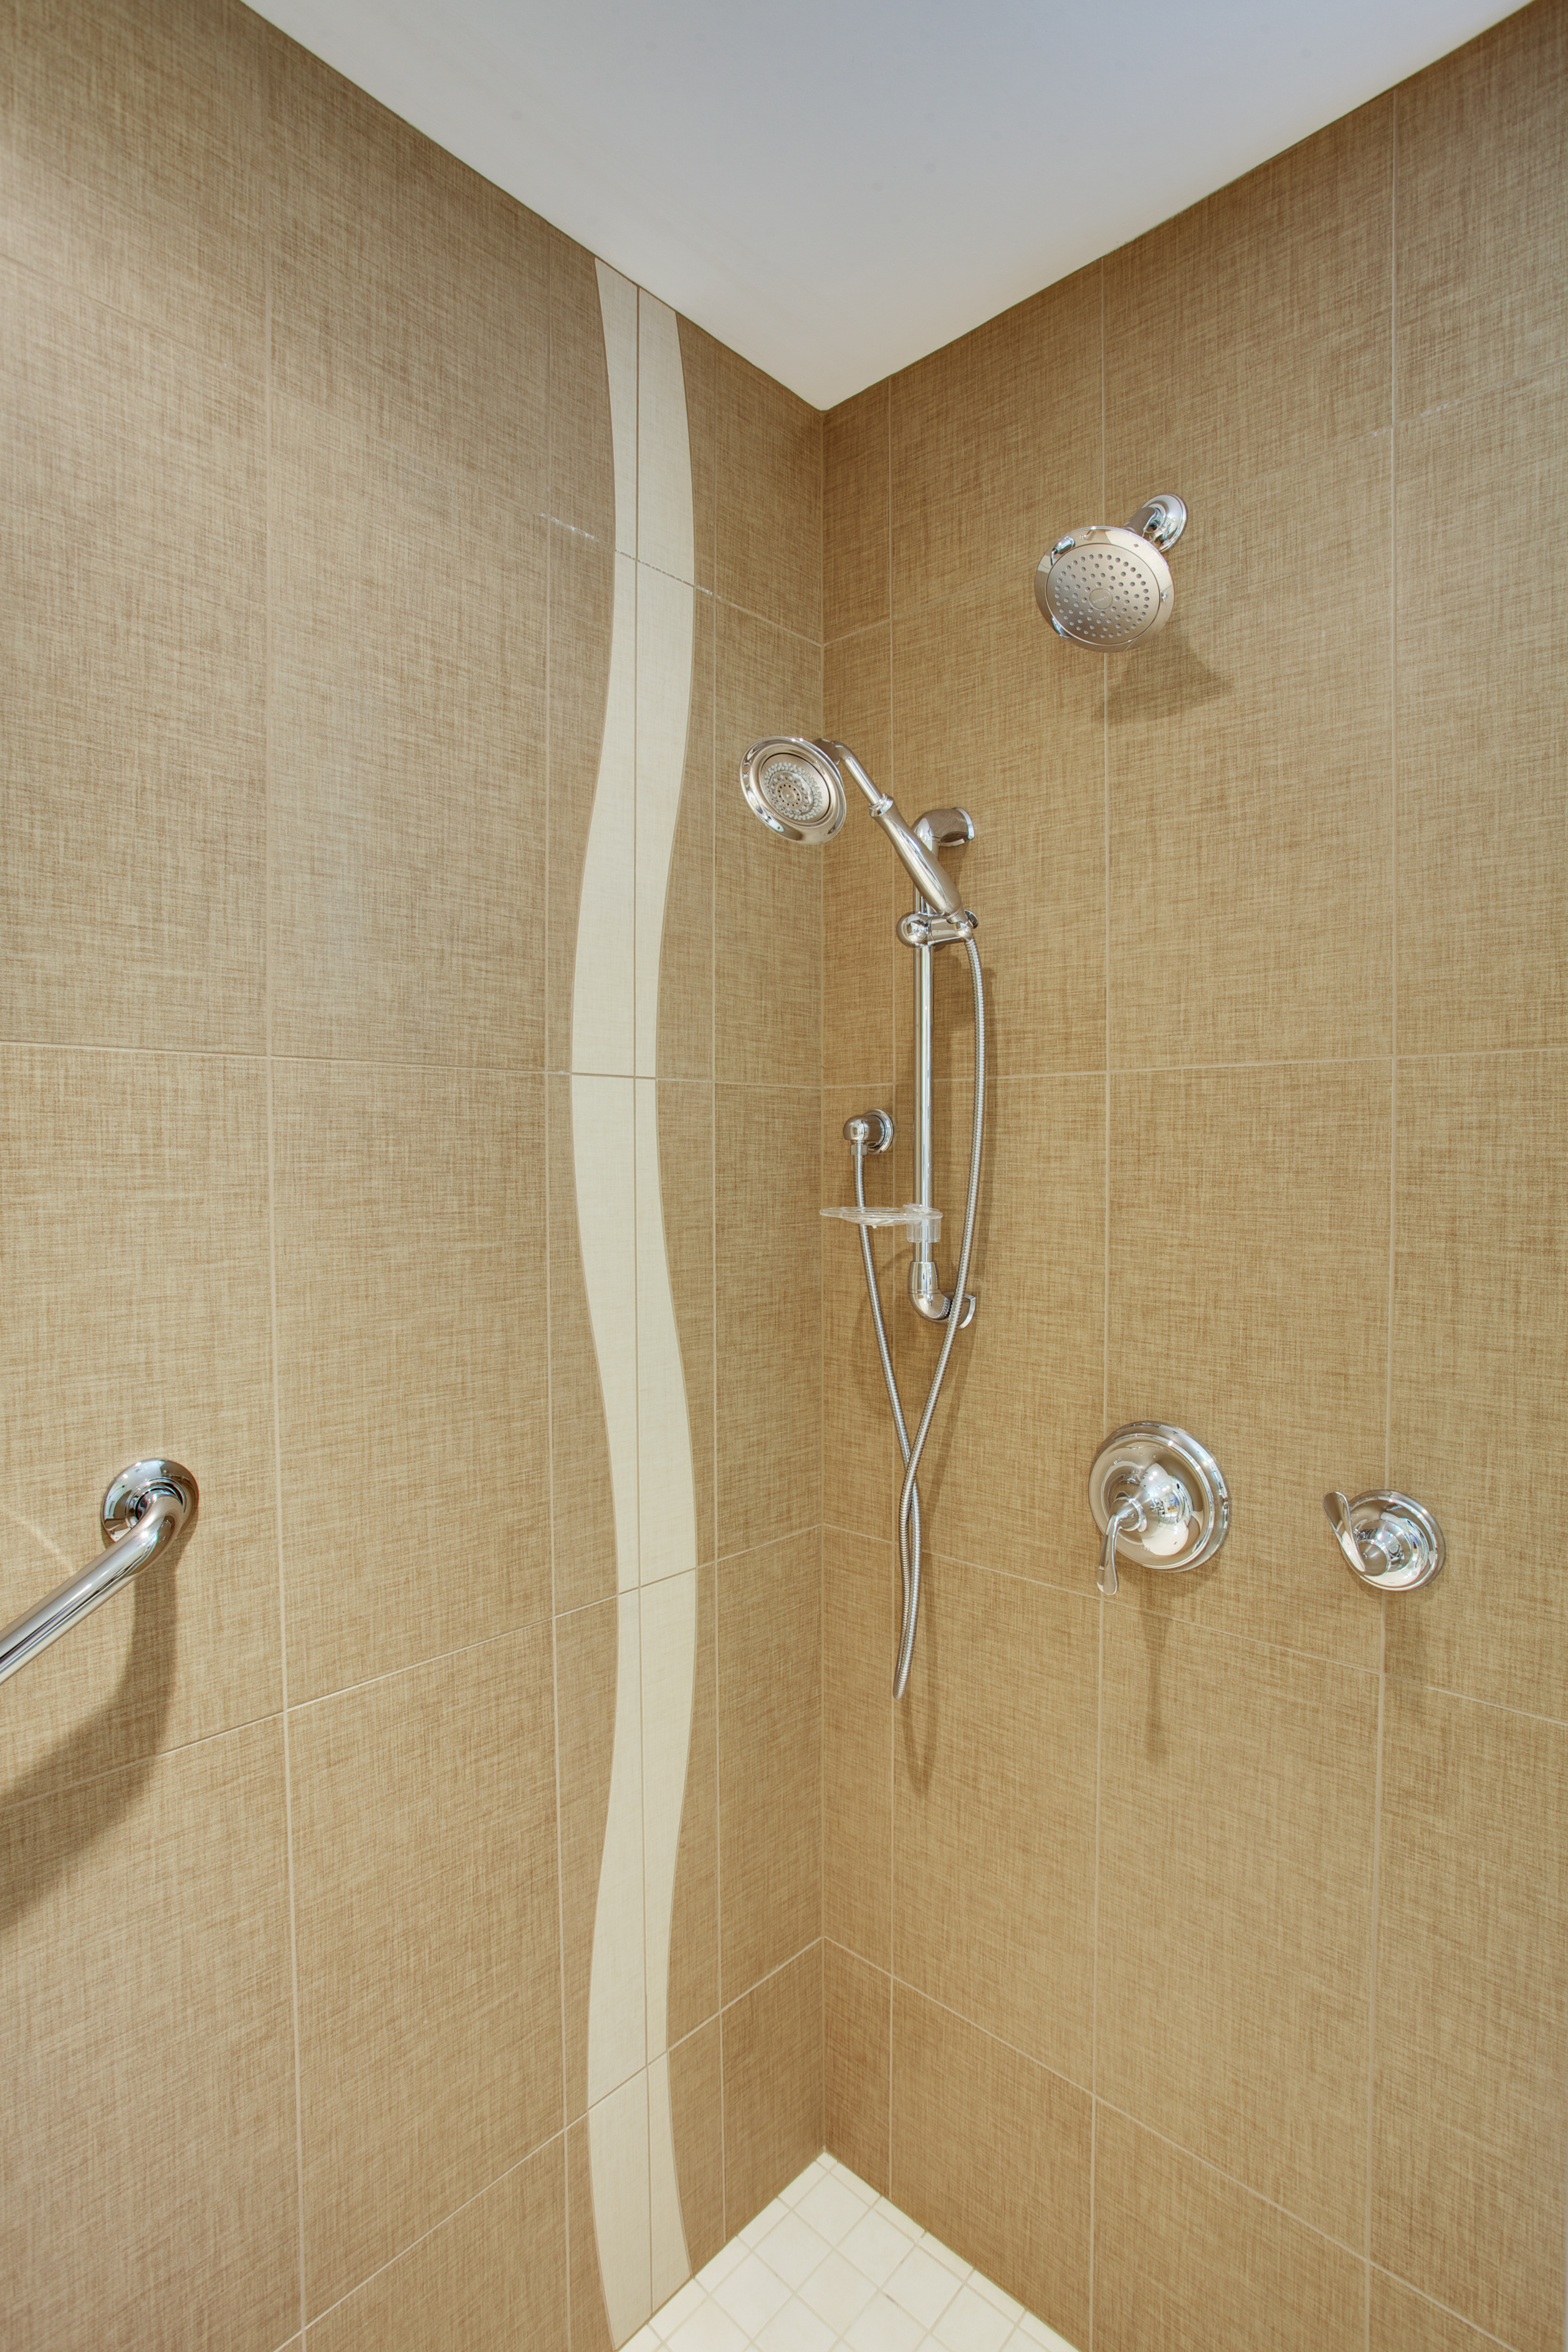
(548, 1287)
(892, 1015)
(1374, 1891)
(1104, 1385)
(269, 167)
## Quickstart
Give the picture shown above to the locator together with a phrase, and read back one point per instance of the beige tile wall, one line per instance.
(309, 574)
(1227, 1916)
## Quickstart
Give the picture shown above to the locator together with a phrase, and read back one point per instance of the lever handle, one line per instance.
(1129, 1519)
(1397, 1551)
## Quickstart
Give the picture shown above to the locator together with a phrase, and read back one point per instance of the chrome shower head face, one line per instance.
(794, 788)
(1109, 585)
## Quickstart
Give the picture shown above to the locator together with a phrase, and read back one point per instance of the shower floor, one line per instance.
(831, 2264)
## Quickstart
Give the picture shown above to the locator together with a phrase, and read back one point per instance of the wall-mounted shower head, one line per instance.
(794, 788)
(1110, 586)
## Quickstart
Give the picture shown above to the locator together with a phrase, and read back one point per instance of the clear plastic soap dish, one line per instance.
(920, 1224)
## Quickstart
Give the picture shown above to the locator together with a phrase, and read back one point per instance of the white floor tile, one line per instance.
(875, 2246)
(836, 2291)
(829, 2266)
(831, 2209)
(797, 2330)
(752, 2294)
(883, 2328)
(681, 2305)
(969, 2323)
(708, 2330)
(794, 2249)
(922, 2286)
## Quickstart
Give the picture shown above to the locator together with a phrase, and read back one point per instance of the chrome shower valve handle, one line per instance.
(1128, 1519)
(1389, 1543)
(1159, 1500)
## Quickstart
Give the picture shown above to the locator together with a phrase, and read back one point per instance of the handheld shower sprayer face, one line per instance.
(796, 787)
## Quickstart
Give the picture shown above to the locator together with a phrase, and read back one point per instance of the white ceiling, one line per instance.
(833, 187)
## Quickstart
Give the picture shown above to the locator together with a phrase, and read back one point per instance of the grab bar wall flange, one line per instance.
(149, 1509)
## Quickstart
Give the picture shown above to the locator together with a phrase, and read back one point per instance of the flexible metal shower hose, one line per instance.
(909, 1498)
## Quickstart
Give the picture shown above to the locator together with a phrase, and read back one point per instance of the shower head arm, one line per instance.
(923, 867)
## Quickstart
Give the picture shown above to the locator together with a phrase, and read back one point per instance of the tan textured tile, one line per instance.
(772, 2087)
(991, 713)
(590, 2324)
(768, 497)
(412, 1391)
(585, 1667)
(1483, 706)
(133, 1232)
(1478, 1342)
(1482, 259)
(992, 2154)
(1404, 2321)
(686, 1145)
(856, 2013)
(859, 1448)
(993, 1811)
(134, 554)
(407, 756)
(1234, 1934)
(1244, 1214)
(768, 1315)
(492, 2277)
(863, 884)
(694, 1922)
(1249, 763)
(409, 296)
(131, 162)
(697, 2113)
(1020, 1416)
(997, 445)
(149, 2181)
(700, 367)
(582, 460)
(581, 600)
(859, 1605)
(770, 1758)
(581, 1501)
(1186, 2261)
(1253, 329)
(429, 2057)
(767, 913)
(685, 1036)
(1470, 2097)
(856, 461)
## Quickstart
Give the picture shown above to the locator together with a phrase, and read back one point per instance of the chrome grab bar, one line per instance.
(149, 1509)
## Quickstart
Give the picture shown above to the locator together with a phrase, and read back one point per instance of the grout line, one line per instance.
(1104, 1378)
(1377, 1887)
(274, 1350)
(1382, 2271)
(1326, 2236)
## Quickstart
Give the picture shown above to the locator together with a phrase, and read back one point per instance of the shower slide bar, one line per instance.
(148, 1511)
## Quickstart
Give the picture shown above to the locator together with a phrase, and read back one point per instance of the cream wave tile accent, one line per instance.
(617, 2158)
(639, 2226)
(603, 981)
(619, 309)
(617, 2034)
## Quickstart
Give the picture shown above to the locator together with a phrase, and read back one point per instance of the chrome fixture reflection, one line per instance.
(1389, 1543)
(148, 1510)
(798, 788)
(1109, 585)
(1158, 1497)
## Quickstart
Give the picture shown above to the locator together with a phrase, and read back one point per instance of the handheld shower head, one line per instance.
(794, 788)
(1109, 586)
